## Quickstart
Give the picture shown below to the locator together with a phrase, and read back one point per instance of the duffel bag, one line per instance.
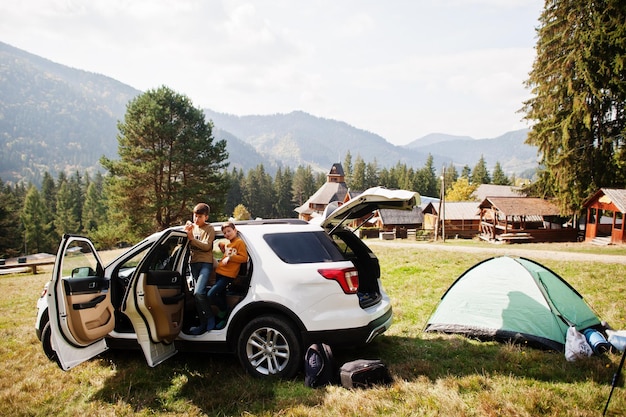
(364, 373)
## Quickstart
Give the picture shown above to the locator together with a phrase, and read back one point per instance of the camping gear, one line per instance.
(364, 373)
(617, 339)
(320, 367)
(576, 345)
(512, 299)
(597, 341)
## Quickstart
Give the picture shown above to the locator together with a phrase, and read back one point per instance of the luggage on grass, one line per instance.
(364, 373)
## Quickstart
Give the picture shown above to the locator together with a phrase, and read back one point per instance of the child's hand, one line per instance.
(222, 246)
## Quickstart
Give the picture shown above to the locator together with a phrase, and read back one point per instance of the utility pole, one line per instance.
(441, 215)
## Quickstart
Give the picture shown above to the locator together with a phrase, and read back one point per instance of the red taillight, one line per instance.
(45, 290)
(348, 278)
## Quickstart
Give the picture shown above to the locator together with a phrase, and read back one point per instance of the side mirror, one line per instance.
(83, 272)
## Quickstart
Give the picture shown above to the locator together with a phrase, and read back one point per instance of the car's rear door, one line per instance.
(155, 301)
(79, 303)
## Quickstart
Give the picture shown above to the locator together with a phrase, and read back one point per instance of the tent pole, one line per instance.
(614, 382)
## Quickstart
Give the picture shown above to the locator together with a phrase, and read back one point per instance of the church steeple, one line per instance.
(336, 174)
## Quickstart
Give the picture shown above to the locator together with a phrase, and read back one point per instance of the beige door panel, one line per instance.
(91, 316)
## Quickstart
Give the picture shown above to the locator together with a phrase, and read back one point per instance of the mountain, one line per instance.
(509, 149)
(55, 118)
(434, 138)
(298, 138)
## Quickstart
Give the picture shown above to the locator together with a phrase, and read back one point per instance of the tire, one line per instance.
(269, 346)
(46, 342)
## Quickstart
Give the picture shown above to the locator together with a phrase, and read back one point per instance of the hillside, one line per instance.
(55, 118)
(508, 149)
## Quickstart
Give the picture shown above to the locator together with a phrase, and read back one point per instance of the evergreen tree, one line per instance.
(480, 174)
(49, 192)
(77, 192)
(283, 184)
(259, 193)
(371, 175)
(303, 185)
(498, 176)
(65, 219)
(11, 230)
(94, 211)
(358, 182)
(347, 168)
(33, 221)
(578, 81)
(168, 162)
(234, 195)
(425, 182)
(466, 172)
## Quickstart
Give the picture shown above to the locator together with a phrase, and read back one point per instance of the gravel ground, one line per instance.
(511, 250)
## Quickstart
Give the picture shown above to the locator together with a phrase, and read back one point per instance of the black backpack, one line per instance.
(320, 367)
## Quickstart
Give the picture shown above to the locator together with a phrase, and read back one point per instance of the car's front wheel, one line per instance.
(269, 346)
(46, 342)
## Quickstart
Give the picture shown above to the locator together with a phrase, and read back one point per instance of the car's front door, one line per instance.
(80, 308)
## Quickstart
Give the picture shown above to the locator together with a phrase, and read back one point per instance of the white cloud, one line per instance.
(401, 69)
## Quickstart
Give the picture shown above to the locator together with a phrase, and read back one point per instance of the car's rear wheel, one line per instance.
(269, 346)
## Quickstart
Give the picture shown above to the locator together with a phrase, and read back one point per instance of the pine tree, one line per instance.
(33, 220)
(169, 161)
(11, 231)
(303, 185)
(283, 183)
(578, 81)
(480, 174)
(358, 181)
(65, 218)
(498, 176)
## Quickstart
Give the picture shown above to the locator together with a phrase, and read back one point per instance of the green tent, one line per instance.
(512, 299)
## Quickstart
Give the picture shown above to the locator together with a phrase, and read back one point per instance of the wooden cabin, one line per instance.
(523, 219)
(460, 218)
(605, 216)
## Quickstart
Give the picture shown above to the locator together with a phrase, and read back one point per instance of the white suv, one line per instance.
(300, 286)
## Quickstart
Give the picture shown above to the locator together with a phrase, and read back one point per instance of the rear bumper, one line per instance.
(350, 337)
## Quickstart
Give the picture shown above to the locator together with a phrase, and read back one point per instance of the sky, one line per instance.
(399, 68)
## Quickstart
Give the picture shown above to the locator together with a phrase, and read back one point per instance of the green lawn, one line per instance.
(434, 375)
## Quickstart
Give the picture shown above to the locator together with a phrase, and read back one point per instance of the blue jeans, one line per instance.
(217, 293)
(201, 272)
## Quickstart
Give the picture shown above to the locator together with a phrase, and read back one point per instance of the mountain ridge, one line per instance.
(55, 118)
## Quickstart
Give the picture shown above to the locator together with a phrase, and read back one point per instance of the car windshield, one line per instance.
(304, 247)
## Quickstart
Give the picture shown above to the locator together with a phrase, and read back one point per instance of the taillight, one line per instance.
(44, 291)
(348, 278)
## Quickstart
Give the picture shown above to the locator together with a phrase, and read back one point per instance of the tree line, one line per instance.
(32, 219)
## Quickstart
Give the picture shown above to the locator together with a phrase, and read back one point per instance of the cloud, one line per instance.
(398, 69)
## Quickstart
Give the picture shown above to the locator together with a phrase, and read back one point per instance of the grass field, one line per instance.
(434, 375)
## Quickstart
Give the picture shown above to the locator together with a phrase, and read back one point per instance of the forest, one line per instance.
(33, 219)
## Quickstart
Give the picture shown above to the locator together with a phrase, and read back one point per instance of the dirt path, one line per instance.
(511, 250)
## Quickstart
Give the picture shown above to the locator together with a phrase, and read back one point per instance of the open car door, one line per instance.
(155, 300)
(79, 303)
